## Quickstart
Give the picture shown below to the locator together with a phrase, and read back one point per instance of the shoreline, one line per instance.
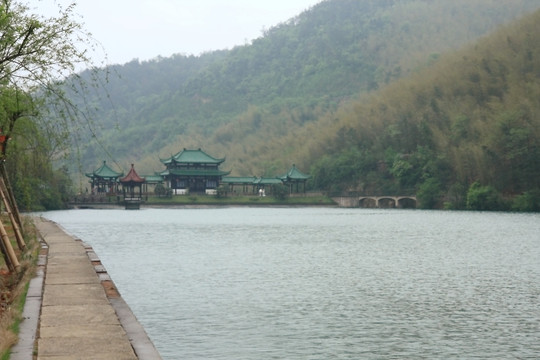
(201, 201)
(32, 332)
(197, 206)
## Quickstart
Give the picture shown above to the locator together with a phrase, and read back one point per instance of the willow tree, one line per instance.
(36, 54)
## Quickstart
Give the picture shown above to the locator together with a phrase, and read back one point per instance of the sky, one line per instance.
(146, 29)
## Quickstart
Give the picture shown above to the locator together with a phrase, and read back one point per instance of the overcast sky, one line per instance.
(145, 29)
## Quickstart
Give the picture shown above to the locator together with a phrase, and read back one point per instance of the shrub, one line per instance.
(160, 190)
(280, 191)
(222, 191)
(456, 197)
(527, 202)
(481, 197)
(429, 194)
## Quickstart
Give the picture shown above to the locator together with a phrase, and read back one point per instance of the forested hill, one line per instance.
(465, 131)
(279, 99)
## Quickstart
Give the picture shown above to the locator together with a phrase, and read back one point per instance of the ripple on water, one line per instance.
(250, 283)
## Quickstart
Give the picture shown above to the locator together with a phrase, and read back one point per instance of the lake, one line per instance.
(323, 283)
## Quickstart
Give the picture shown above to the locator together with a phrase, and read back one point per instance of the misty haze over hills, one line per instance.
(300, 94)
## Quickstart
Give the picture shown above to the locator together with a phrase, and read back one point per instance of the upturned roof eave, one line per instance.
(191, 172)
(104, 171)
(294, 174)
(132, 176)
(187, 156)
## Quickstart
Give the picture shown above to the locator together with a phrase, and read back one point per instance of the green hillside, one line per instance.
(242, 103)
(432, 98)
(469, 125)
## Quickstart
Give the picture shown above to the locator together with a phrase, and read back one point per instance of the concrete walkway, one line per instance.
(82, 314)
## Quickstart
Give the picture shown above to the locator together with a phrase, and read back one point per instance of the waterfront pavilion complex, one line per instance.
(192, 171)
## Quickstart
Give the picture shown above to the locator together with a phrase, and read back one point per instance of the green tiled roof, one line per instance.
(104, 172)
(250, 180)
(194, 172)
(238, 179)
(268, 181)
(193, 157)
(294, 174)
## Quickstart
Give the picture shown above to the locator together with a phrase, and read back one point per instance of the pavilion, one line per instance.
(250, 185)
(130, 183)
(104, 180)
(193, 171)
(293, 178)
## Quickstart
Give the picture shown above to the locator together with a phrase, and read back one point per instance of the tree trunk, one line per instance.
(10, 195)
(16, 229)
(9, 254)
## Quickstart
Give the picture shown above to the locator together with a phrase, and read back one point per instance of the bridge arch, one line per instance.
(387, 201)
(368, 202)
(406, 201)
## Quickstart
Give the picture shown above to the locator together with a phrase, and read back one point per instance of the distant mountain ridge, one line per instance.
(248, 102)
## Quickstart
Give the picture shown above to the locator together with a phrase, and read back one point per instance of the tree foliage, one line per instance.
(37, 50)
(470, 117)
(244, 102)
(280, 191)
(371, 96)
(529, 201)
(429, 194)
(481, 197)
(35, 54)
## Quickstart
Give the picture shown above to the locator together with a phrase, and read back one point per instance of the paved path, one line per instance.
(82, 314)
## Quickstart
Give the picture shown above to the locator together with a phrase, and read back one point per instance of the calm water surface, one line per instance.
(316, 283)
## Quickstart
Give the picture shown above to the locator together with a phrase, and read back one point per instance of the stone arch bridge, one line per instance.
(385, 201)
